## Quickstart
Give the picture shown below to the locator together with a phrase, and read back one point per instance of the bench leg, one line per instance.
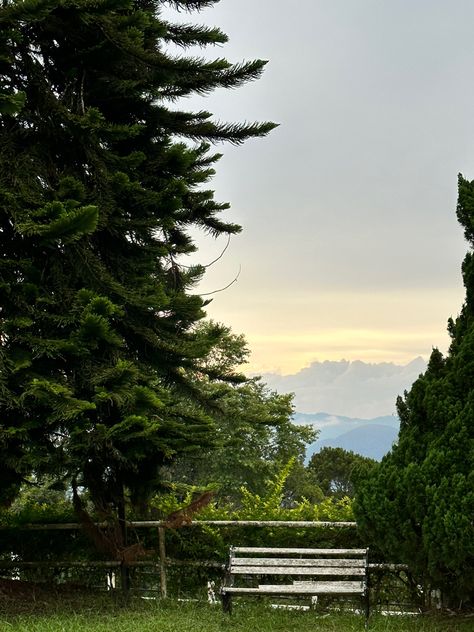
(226, 599)
(367, 610)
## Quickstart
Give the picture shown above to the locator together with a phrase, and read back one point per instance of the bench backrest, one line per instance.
(328, 563)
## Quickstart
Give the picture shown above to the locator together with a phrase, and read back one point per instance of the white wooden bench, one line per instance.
(312, 573)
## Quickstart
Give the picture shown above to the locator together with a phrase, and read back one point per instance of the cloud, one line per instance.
(353, 389)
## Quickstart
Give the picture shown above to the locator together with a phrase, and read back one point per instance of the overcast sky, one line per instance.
(351, 247)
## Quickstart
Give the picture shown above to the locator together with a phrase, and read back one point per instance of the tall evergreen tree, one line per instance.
(101, 178)
(417, 506)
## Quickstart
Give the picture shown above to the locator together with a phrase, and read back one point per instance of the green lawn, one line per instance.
(184, 617)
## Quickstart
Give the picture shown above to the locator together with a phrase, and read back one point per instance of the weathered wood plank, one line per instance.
(257, 549)
(306, 588)
(160, 523)
(65, 564)
(288, 561)
(276, 523)
(296, 570)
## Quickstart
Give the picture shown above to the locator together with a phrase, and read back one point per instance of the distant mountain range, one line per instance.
(369, 437)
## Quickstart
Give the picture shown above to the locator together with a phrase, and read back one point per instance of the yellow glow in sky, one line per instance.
(287, 336)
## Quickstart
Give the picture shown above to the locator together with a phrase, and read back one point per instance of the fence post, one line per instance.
(162, 551)
(124, 570)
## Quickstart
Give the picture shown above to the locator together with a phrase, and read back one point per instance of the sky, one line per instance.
(350, 246)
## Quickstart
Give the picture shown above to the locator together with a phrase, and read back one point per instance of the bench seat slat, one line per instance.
(306, 588)
(286, 561)
(295, 570)
(255, 549)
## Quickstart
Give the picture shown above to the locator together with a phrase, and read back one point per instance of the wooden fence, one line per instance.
(163, 563)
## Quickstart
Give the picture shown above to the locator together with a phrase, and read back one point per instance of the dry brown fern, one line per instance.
(107, 539)
(184, 516)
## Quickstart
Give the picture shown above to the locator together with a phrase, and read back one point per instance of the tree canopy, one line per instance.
(256, 436)
(417, 506)
(336, 470)
(102, 176)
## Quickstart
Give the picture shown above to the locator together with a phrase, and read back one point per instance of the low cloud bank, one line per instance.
(349, 388)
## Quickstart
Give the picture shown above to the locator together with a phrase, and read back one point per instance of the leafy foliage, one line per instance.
(268, 505)
(209, 541)
(417, 505)
(336, 471)
(38, 504)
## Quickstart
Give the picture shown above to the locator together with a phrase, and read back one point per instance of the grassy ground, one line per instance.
(91, 615)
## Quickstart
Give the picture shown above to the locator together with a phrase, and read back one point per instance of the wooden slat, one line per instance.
(66, 564)
(287, 561)
(196, 523)
(255, 549)
(306, 588)
(296, 570)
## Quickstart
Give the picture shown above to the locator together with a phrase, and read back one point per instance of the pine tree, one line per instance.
(417, 506)
(101, 179)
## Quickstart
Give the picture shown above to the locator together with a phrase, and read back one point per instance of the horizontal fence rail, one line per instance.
(144, 524)
(6, 564)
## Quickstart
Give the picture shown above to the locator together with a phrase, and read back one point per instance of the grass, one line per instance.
(91, 615)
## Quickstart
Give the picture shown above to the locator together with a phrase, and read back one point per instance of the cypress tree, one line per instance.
(417, 506)
(101, 179)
